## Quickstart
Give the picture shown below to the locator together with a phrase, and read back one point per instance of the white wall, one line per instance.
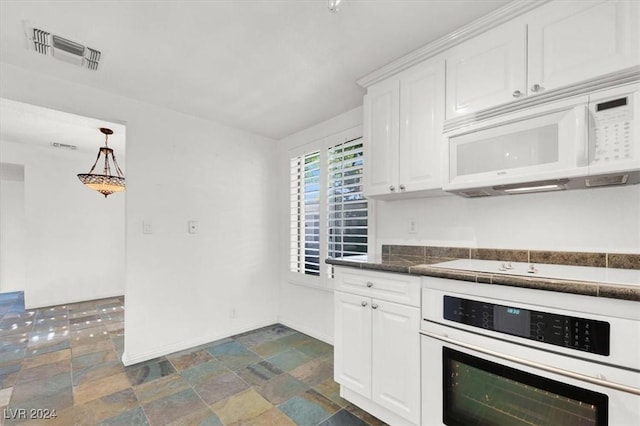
(13, 230)
(74, 239)
(307, 309)
(180, 288)
(591, 220)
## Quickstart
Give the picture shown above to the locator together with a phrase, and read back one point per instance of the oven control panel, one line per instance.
(561, 330)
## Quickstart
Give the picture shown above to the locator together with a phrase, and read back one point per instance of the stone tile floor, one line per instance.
(67, 358)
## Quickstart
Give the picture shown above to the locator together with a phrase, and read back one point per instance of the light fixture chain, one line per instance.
(94, 164)
(115, 163)
(106, 163)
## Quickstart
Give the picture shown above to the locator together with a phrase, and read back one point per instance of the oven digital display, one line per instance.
(512, 320)
(561, 330)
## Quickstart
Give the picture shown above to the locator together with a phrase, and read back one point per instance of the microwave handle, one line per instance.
(582, 135)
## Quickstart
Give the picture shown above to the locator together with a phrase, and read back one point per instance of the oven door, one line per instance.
(472, 379)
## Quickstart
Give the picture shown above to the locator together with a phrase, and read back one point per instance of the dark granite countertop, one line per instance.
(402, 264)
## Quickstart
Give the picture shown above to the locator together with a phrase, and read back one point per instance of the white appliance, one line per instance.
(506, 355)
(582, 142)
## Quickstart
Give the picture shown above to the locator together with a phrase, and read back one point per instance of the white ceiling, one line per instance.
(269, 67)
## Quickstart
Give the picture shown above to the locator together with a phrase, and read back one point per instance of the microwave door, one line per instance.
(549, 145)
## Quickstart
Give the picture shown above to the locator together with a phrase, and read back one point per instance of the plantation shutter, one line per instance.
(348, 210)
(305, 214)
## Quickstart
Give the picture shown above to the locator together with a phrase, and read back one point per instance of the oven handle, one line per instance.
(566, 373)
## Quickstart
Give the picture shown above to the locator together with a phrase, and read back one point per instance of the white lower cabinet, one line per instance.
(395, 355)
(377, 356)
(352, 342)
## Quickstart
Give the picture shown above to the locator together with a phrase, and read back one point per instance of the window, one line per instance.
(328, 211)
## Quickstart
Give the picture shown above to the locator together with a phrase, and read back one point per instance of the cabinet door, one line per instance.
(352, 346)
(421, 120)
(396, 358)
(487, 70)
(570, 41)
(381, 115)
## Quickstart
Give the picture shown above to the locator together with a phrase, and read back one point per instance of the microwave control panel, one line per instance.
(576, 333)
(612, 130)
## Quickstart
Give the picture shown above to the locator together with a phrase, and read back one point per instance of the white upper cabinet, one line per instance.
(487, 70)
(578, 40)
(421, 119)
(558, 44)
(381, 120)
(403, 118)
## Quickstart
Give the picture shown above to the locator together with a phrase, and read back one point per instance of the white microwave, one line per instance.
(581, 142)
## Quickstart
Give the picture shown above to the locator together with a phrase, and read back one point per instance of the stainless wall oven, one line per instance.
(496, 355)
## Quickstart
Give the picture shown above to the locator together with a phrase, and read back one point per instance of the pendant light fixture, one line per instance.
(334, 5)
(106, 183)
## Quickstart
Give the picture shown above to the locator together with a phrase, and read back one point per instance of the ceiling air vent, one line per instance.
(63, 145)
(61, 48)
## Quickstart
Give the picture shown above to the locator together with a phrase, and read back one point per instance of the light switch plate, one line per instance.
(193, 226)
(147, 228)
(412, 226)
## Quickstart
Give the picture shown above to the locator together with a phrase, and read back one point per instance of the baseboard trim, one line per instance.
(306, 330)
(29, 306)
(186, 344)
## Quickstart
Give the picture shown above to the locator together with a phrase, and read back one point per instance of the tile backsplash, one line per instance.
(604, 260)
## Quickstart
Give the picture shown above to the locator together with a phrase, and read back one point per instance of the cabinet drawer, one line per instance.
(382, 285)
